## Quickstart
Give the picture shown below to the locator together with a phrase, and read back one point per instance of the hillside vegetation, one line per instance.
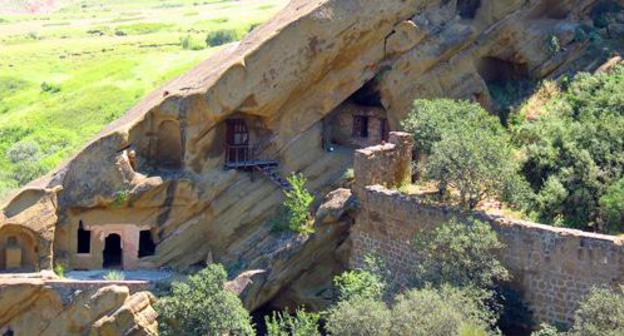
(64, 75)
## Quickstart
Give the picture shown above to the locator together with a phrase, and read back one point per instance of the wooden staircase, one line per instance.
(270, 171)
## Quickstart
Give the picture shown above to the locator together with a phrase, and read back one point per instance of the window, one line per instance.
(383, 129)
(146, 244)
(12, 241)
(84, 239)
(360, 127)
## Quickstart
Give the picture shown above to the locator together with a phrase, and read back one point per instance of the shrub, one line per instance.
(201, 306)
(612, 208)
(439, 312)
(220, 37)
(115, 276)
(24, 151)
(359, 283)
(298, 202)
(25, 156)
(190, 43)
(546, 330)
(59, 269)
(359, 316)
(600, 314)
(50, 87)
(462, 254)
(301, 324)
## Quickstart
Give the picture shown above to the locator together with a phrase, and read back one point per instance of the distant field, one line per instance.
(67, 73)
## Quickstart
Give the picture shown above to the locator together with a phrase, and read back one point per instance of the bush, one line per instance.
(462, 254)
(359, 283)
(190, 43)
(220, 37)
(25, 157)
(301, 324)
(298, 202)
(201, 306)
(546, 330)
(612, 208)
(600, 314)
(359, 316)
(439, 312)
(50, 87)
(115, 276)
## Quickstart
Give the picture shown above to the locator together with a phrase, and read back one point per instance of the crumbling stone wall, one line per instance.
(553, 268)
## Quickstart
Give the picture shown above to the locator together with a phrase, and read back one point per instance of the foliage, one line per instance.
(477, 165)
(462, 254)
(359, 283)
(189, 42)
(298, 202)
(554, 46)
(359, 316)
(439, 312)
(600, 314)
(25, 156)
(546, 330)
(469, 149)
(300, 324)
(59, 269)
(121, 198)
(201, 306)
(220, 37)
(612, 208)
(430, 120)
(50, 88)
(115, 276)
(573, 151)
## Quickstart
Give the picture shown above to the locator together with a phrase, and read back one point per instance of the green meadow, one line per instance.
(66, 74)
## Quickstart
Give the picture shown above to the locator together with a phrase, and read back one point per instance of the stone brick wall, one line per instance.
(387, 164)
(553, 268)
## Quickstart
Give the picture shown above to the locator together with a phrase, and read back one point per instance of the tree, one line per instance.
(298, 202)
(463, 254)
(220, 37)
(439, 312)
(600, 314)
(201, 306)
(477, 165)
(612, 208)
(359, 316)
(300, 324)
(469, 149)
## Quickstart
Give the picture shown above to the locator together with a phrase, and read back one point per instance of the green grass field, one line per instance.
(64, 75)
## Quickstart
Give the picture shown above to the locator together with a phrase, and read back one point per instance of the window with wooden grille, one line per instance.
(360, 126)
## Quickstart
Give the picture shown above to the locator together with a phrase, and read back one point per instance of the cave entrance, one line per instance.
(468, 8)
(493, 69)
(146, 244)
(113, 252)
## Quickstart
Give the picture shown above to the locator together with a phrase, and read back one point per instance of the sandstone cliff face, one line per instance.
(160, 168)
(34, 307)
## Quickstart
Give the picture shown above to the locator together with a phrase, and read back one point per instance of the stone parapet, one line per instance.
(554, 268)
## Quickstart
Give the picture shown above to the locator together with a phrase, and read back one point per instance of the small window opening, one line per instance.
(84, 239)
(12, 241)
(384, 130)
(360, 126)
(146, 244)
(8, 332)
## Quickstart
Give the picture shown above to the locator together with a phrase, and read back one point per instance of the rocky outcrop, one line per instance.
(34, 307)
(160, 167)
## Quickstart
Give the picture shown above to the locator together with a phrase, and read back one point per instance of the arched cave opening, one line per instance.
(367, 95)
(508, 84)
(113, 253)
(468, 9)
(168, 153)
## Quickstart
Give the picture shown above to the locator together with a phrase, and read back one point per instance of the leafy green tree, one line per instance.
(298, 202)
(220, 37)
(300, 324)
(601, 314)
(201, 306)
(463, 254)
(573, 151)
(359, 316)
(612, 208)
(439, 312)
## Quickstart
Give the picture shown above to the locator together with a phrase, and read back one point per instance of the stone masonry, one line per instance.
(553, 268)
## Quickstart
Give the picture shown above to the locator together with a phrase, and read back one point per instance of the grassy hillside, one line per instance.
(64, 75)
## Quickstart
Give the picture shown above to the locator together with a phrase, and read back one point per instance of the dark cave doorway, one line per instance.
(113, 252)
